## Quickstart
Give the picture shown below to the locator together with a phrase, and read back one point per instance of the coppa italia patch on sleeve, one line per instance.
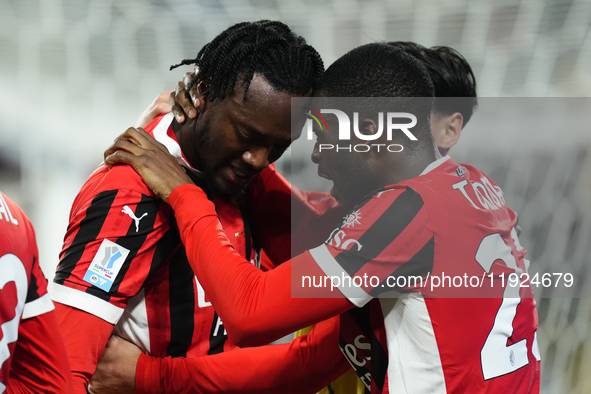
(106, 264)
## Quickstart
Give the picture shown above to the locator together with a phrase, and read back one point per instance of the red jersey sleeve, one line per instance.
(305, 365)
(109, 249)
(385, 237)
(109, 252)
(256, 306)
(85, 337)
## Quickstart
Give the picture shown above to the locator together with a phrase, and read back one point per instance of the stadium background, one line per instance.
(76, 73)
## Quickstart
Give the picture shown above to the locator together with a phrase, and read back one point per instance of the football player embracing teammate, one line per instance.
(123, 265)
(439, 217)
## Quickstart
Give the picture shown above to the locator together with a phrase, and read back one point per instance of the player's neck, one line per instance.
(185, 133)
(408, 166)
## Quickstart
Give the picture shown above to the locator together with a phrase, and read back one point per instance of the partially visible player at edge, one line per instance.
(32, 354)
(438, 218)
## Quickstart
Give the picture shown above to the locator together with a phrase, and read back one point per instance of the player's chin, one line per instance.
(334, 191)
(227, 188)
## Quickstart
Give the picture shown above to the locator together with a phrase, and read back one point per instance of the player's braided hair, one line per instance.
(266, 47)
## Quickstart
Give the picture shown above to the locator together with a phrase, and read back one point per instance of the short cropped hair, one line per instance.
(451, 75)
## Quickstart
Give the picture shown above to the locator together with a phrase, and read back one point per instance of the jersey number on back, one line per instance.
(11, 270)
(496, 357)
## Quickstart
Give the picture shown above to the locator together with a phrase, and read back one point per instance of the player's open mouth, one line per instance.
(237, 176)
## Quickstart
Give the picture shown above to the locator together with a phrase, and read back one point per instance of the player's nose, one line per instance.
(316, 154)
(257, 157)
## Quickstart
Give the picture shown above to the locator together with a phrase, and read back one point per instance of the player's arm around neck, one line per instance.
(256, 306)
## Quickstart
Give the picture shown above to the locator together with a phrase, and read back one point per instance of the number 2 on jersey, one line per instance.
(496, 357)
(11, 270)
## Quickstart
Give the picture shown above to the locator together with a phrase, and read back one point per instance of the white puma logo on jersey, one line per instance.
(129, 212)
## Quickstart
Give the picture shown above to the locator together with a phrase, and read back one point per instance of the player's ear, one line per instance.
(446, 129)
(369, 126)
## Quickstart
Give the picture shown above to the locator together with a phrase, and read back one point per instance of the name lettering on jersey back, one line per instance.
(488, 196)
(5, 211)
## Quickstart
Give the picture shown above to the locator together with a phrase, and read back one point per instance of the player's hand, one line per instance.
(178, 101)
(184, 103)
(159, 106)
(115, 372)
(151, 160)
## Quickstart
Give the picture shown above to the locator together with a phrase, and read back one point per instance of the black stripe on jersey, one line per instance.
(421, 264)
(379, 355)
(133, 241)
(164, 249)
(181, 294)
(248, 240)
(33, 291)
(217, 339)
(361, 371)
(383, 232)
(90, 227)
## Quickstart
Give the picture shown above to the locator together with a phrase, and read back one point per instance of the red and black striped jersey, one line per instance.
(123, 261)
(451, 221)
(23, 288)
(399, 247)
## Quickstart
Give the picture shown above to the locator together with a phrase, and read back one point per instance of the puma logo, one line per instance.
(126, 210)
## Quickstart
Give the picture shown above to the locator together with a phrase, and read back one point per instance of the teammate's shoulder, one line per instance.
(123, 176)
(152, 125)
(119, 177)
(12, 214)
(473, 173)
(395, 197)
(444, 170)
(10, 211)
(16, 230)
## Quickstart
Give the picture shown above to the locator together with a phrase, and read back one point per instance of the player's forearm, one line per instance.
(85, 337)
(256, 307)
(305, 365)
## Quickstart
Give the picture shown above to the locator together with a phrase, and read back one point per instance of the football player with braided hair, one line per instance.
(123, 266)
